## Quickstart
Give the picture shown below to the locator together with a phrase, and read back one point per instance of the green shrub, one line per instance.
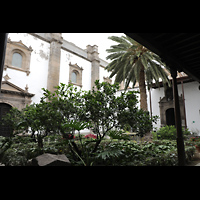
(124, 153)
(68, 110)
(115, 152)
(18, 150)
(169, 133)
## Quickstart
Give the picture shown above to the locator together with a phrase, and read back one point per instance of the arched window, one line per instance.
(17, 60)
(75, 74)
(74, 77)
(18, 56)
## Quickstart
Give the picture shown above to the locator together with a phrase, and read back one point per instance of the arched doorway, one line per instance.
(4, 109)
(167, 111)
(170, 118)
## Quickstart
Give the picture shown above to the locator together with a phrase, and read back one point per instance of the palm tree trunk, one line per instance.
(142, 87)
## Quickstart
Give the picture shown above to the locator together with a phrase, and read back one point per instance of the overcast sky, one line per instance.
(100, 39)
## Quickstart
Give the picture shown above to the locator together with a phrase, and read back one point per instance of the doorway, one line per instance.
(170, 118)
(4, 109)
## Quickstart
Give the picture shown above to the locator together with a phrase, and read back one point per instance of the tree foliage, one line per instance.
(132, 62)
(127, 58)
(68, 110)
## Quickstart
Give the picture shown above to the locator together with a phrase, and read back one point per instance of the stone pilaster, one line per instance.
(93, 56)
(54, 61)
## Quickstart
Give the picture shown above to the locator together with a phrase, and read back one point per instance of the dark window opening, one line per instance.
(4, 130)
(170, 118)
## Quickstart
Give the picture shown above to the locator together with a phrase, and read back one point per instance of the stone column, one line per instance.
(93, 56)
(54, 61)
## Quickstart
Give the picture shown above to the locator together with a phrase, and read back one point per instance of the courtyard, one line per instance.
(106, 142)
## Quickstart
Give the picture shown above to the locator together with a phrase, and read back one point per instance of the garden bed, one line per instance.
(111, 152)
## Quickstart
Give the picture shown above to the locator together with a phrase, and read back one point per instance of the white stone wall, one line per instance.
(156, 94)
(37, 78)
(104, 73)
(39, 62)
(192, 104)
(66, 58)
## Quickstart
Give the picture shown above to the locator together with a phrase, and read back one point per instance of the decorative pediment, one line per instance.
(168, 101)
(20, 44)
(20, 48)
(164, 100)
(8, 87)
(75, 66)
(74, 69)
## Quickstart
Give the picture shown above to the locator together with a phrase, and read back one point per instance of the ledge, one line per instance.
(17, 68)
(70, 47)
(76, 84)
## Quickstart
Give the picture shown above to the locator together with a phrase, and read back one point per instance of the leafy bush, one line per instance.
(67, 111)
(111, 152)
(19, 149)
(118, 134)
(169, 133)
(158, 153)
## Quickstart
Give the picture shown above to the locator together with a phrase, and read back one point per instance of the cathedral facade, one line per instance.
(43, 60)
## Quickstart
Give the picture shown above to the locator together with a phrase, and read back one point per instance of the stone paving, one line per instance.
(198, 164)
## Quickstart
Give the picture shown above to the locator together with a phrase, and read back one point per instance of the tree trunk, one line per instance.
(40, 142)
(142, 87)
(96, 146)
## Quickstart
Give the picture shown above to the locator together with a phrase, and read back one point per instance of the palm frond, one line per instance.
(114, 55)
(144, 61)
(120, 40)
(129, 39)
(111, 65)
(133, 74)
(128, 56)
(115, 48)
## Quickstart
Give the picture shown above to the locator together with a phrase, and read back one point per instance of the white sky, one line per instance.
(100, 39)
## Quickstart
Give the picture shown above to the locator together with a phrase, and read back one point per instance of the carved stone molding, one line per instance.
(74, 68)
(23, 50)
(14, 95)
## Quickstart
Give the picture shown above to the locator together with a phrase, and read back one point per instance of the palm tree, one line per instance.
(132, 62)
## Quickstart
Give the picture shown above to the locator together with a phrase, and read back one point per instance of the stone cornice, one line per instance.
(55, 40)
(20, 91)
(17, 93)
(16, 68)
(70, 47)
